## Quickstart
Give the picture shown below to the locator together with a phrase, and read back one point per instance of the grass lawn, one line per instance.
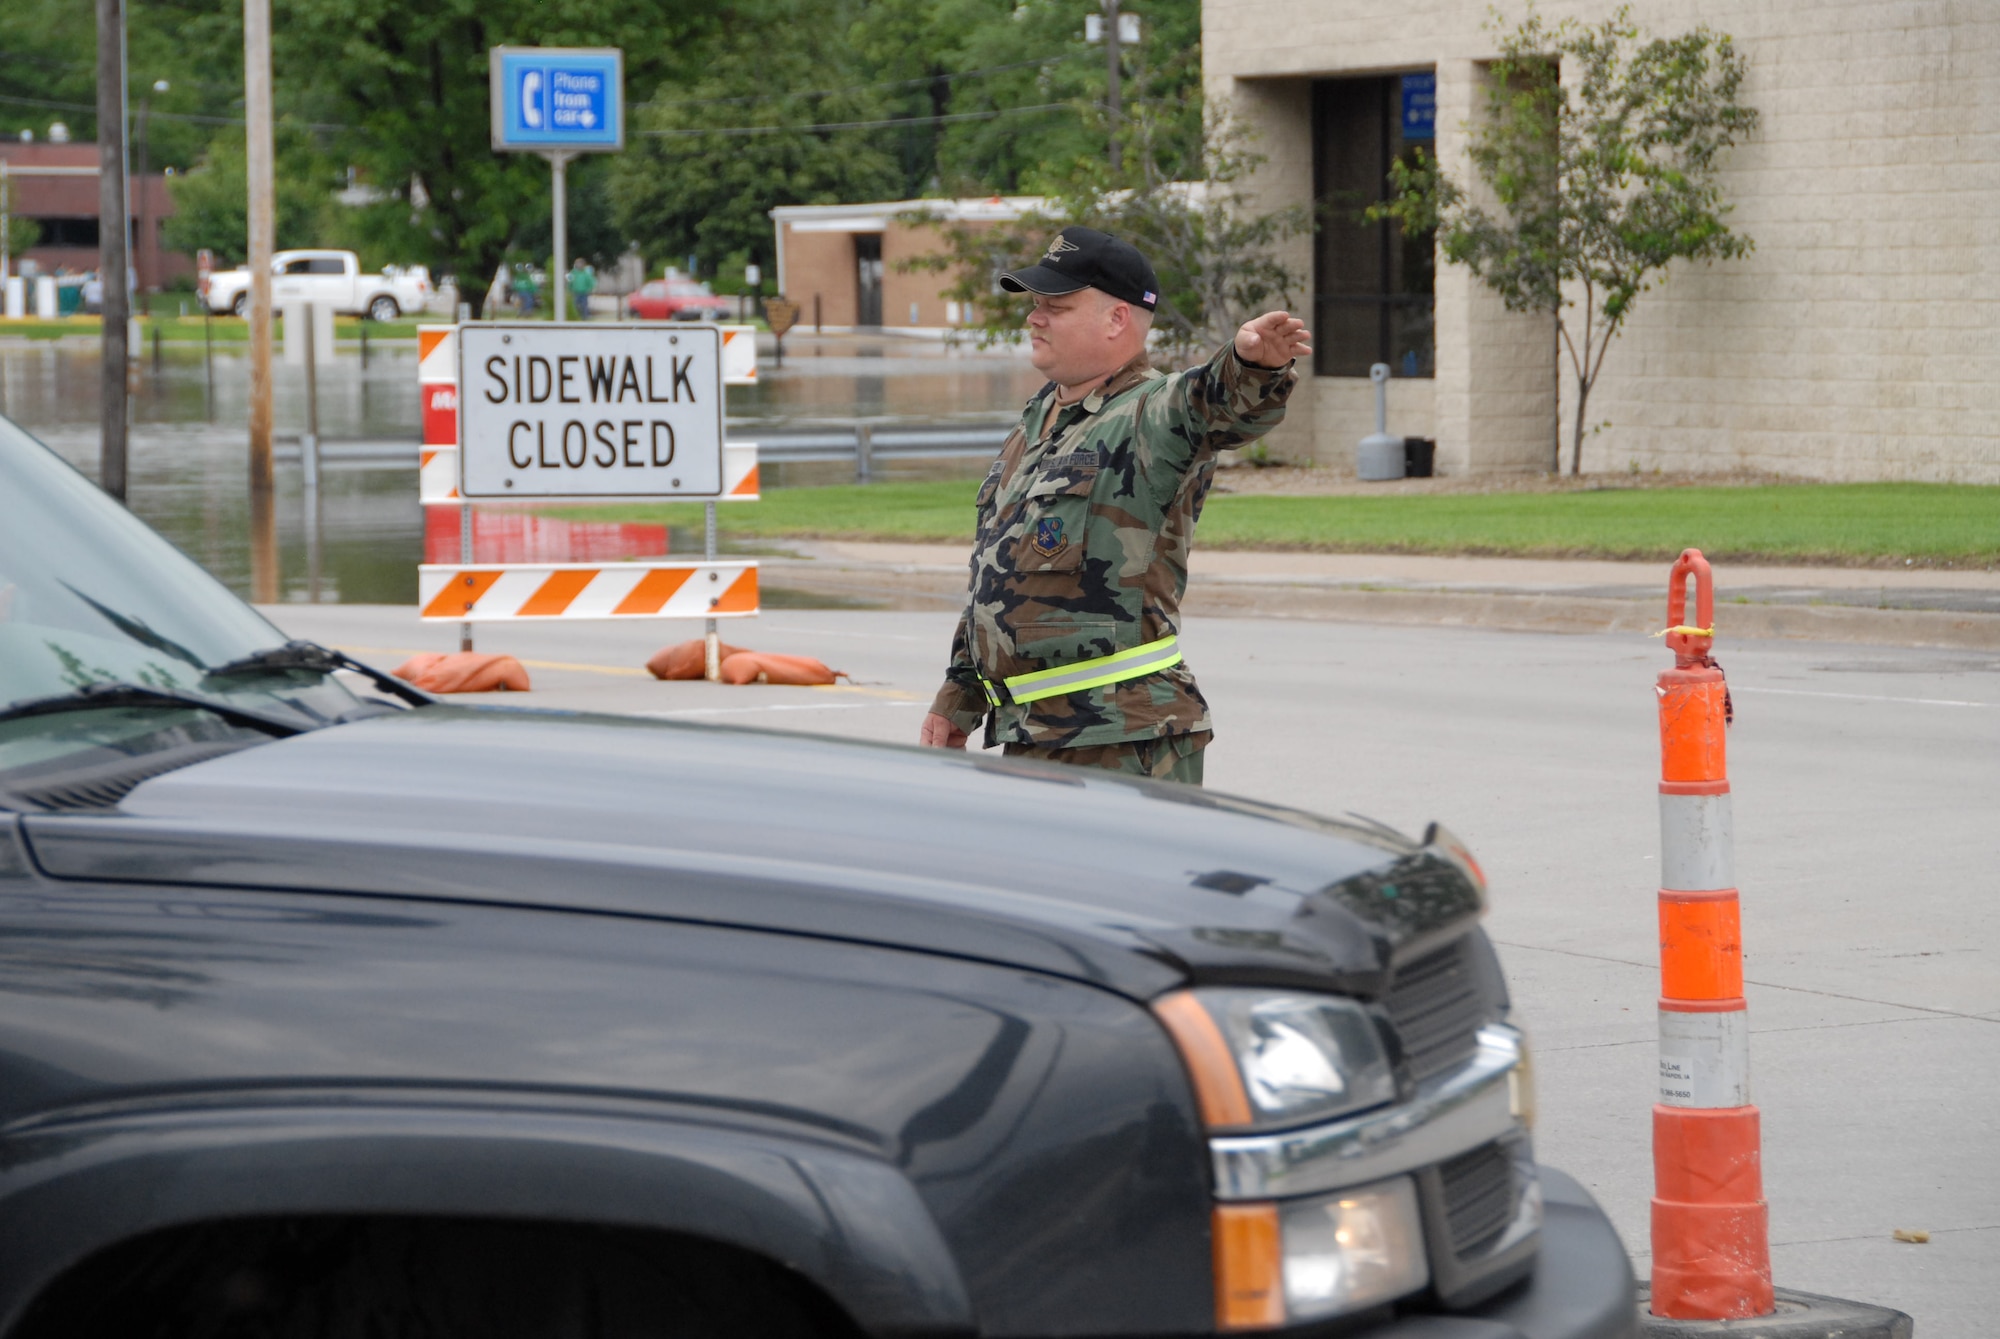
(1796, 523)
(184, 329)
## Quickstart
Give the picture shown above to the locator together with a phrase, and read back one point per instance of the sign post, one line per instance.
(558, 102)
(782, 314)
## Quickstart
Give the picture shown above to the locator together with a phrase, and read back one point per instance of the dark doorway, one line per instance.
(1372, 286)
(868, 266)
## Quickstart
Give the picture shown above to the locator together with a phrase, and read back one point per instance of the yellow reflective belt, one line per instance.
(1098, 673)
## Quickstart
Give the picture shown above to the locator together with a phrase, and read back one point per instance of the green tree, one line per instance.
(1215, 253)
(407, 86)
(707, 159)
(211, 201)
(48, 72)
(1602, 180)
(1024, 92)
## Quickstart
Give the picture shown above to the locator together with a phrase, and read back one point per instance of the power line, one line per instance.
(163, 116)
(861, 125)
(925, 81)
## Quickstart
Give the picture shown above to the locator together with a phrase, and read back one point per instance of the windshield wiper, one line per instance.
(303, 655)
(93, 696)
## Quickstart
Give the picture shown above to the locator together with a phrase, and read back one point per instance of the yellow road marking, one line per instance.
(891, 694)
(526, 664)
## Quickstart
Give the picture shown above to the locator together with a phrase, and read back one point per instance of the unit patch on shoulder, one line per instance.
(1049, 537)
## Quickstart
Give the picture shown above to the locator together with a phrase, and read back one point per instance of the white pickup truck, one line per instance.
(332, 277)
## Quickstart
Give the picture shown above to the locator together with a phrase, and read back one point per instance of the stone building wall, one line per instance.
(1860, 340)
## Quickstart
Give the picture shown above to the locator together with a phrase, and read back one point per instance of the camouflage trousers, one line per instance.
(1172, 758)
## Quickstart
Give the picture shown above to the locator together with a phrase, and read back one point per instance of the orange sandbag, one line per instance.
(689, 660)
(766, 667)
(464, 672)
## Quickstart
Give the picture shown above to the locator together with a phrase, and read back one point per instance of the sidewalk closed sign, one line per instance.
(550, 412)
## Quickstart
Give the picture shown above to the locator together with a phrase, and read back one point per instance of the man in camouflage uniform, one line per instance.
(1069, 646)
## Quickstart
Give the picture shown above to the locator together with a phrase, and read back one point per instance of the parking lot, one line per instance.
(1864, 783)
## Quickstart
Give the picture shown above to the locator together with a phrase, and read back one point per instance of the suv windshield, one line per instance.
(90, 596)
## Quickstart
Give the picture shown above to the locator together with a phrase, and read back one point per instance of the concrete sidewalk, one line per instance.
(1878, 606)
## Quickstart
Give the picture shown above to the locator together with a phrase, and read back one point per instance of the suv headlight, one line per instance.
(1262, 1059)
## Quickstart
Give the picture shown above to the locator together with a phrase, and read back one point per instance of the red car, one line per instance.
(679, 300)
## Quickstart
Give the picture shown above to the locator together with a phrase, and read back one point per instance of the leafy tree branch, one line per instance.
(1215, 252)
(1600, 147)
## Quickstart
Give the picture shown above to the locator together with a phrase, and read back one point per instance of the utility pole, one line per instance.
(257, 110)
(1113, 75)
(113, 262)
(1107, 27)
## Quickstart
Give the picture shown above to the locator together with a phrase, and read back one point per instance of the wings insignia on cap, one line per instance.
(1060, 245)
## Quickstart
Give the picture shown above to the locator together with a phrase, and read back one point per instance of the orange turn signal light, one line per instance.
(1218, 1085)
(1249, 1267)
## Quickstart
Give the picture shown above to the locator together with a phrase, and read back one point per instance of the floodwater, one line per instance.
(363, 541)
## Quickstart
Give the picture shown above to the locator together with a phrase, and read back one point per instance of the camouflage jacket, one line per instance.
(1084, 527)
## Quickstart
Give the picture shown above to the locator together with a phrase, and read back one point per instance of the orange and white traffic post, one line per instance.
(1711, 1236)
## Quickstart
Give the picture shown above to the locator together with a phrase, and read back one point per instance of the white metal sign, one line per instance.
(549, 412)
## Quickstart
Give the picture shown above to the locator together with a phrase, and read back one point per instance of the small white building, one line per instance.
(840, 262)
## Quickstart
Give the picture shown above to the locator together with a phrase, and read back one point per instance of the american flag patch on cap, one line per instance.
(1150, 297)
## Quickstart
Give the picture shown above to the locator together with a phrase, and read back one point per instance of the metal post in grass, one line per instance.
(711, 658)
(309, 457)
(208, 360)
(465, 559)
(864, 451)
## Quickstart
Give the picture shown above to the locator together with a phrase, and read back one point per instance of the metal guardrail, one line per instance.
(864, 442)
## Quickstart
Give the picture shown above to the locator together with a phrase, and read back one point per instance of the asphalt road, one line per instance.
(1867, 785)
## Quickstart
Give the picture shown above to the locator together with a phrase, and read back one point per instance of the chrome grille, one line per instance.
(1437, 1006)
(1478, 1198)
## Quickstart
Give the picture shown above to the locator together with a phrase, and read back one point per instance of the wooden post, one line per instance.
(257, 109)
(113, 261)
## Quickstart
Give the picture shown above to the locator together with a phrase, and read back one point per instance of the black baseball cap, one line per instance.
(1086, 258)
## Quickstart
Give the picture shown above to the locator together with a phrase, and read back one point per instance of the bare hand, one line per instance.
(940, 733)
(1273, 339)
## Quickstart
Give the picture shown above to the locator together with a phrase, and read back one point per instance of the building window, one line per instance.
(1372, 286)
(77, 231)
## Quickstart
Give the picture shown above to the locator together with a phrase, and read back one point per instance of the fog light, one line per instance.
(1352, 1249)
(1521, 1084)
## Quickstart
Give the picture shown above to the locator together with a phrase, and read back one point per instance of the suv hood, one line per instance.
(1134, 885)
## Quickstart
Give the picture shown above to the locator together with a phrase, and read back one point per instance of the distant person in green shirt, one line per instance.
(524, 289)
(582, 283)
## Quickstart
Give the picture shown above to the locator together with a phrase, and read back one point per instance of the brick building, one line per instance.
(56, 186)
(840, 262)
(1860, 340)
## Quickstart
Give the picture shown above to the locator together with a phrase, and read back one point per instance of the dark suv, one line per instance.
(330, 1010)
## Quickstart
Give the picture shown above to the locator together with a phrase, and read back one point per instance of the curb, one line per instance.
(1799, 1316)
(1555, 612)
(915, 587)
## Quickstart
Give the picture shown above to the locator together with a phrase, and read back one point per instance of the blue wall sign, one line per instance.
(558, 98)
(1420, 106)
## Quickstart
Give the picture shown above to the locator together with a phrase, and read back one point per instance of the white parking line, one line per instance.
(774, 706)
(1866, 697)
